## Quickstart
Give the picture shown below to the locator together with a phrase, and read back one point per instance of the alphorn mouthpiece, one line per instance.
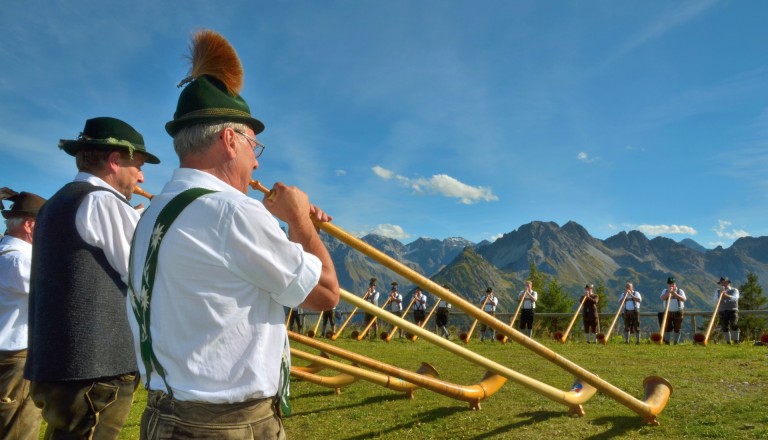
(138, 190)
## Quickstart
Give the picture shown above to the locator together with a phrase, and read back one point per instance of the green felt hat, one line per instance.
(25, 204)
(105, 133)
(206, 99)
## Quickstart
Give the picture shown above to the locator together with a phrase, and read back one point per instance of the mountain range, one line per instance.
(566, 253)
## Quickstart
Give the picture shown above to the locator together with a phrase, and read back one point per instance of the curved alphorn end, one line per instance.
(310, 333)
(501, 338)
(354, 334)
(490, 383)
(579, 393)
(657, 392)
(657, 338)
(426, 369)
(699, 338)
(474, 405)
(464, 338)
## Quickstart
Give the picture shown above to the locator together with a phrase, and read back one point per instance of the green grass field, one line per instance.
(719, 391)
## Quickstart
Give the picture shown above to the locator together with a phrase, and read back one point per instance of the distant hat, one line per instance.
(724, 279)
(373, 281)
(394, 284)
(589, 286)
(105, 133)
(25, 204)
(671, 280)
(490, 289)
(213, 86)
(417, 288)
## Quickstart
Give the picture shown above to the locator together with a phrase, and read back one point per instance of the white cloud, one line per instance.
(495, 237)
(584, 157)
(340, 173)
(442, 184)
(383, 172)
(666, 229)
(391, 231)
(733, 234)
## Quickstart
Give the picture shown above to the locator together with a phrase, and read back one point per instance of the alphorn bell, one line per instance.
(465, 337)
(387, 336)
(564, 337)
(312, 333)
(502, 338)
(659, 337)
(657, 389)
(603, 338)
(704, 339)
(373, 321)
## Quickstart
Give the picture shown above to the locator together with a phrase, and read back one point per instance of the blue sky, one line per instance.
(429, 118)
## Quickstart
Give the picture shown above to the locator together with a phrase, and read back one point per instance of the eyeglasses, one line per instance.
(258, 147)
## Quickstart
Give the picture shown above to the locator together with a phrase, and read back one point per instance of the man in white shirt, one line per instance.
(19, 418)
(728, 310)
(396, 303)
(210, 277)
(632, 300)
(529, 297)
(443, 312)
(80, 360)
(676, 297)
(491, 301)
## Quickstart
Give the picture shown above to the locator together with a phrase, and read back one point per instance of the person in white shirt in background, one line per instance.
(677, 299)
(396, 304)
(529, 297)
(372, 296)
(489, 308)
(443, 312)
(631, 314)
(19, 418)
(728, 310)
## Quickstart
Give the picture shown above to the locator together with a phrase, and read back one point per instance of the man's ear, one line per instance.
(228, 137)
(113, 160)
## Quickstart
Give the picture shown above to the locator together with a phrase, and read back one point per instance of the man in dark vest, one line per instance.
(19, 419)
(80, 360)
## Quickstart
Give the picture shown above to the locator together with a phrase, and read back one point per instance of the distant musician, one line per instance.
(631, 314)
(419, 306)
(529, 297)
(589, 313)
(441, 320)
(372, 296)
(729, 310)
(396, 304)
(491, 301)
(676, 297)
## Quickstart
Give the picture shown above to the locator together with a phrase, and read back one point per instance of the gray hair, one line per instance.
(14, 222)
(197, 138)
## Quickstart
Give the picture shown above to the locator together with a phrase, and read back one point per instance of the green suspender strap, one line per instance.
(140, 303)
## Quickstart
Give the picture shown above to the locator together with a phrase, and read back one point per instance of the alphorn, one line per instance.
(564, 337)
(138, 190)
(387, 336)
(465, 337)
(423, 325)
(337, 382)
(704, 339)
(659, 337)
(312, 368)
(349, 318)
(578, 394)
(288, 318)
(426, 377)
(657, 389)
(503, 338)
(312, 333)
(390, 382)
(370, 324)
(603, 338)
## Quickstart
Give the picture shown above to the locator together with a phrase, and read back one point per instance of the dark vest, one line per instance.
(78, 324)
(732, 304)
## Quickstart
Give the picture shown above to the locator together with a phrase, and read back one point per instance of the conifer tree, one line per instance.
(751, 298)
(553, 300)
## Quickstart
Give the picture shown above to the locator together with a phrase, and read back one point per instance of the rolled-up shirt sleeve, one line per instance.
(259, 251)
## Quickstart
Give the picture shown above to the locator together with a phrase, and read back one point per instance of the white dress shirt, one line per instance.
(677, 305)
(15, 266)
(630, 305)
(104, 220)
(225, 270)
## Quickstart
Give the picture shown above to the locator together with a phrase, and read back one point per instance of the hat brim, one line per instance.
(173, 127)
(12, 214)
(71, 147)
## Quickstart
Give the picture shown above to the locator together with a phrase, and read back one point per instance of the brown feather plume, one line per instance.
(211, 54)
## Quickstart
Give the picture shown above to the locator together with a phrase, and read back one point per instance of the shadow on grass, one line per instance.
(425, 417)
(619, 426)
(376, 399)
(531, 418)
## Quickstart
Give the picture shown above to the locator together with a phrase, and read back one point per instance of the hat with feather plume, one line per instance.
(212, 88)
